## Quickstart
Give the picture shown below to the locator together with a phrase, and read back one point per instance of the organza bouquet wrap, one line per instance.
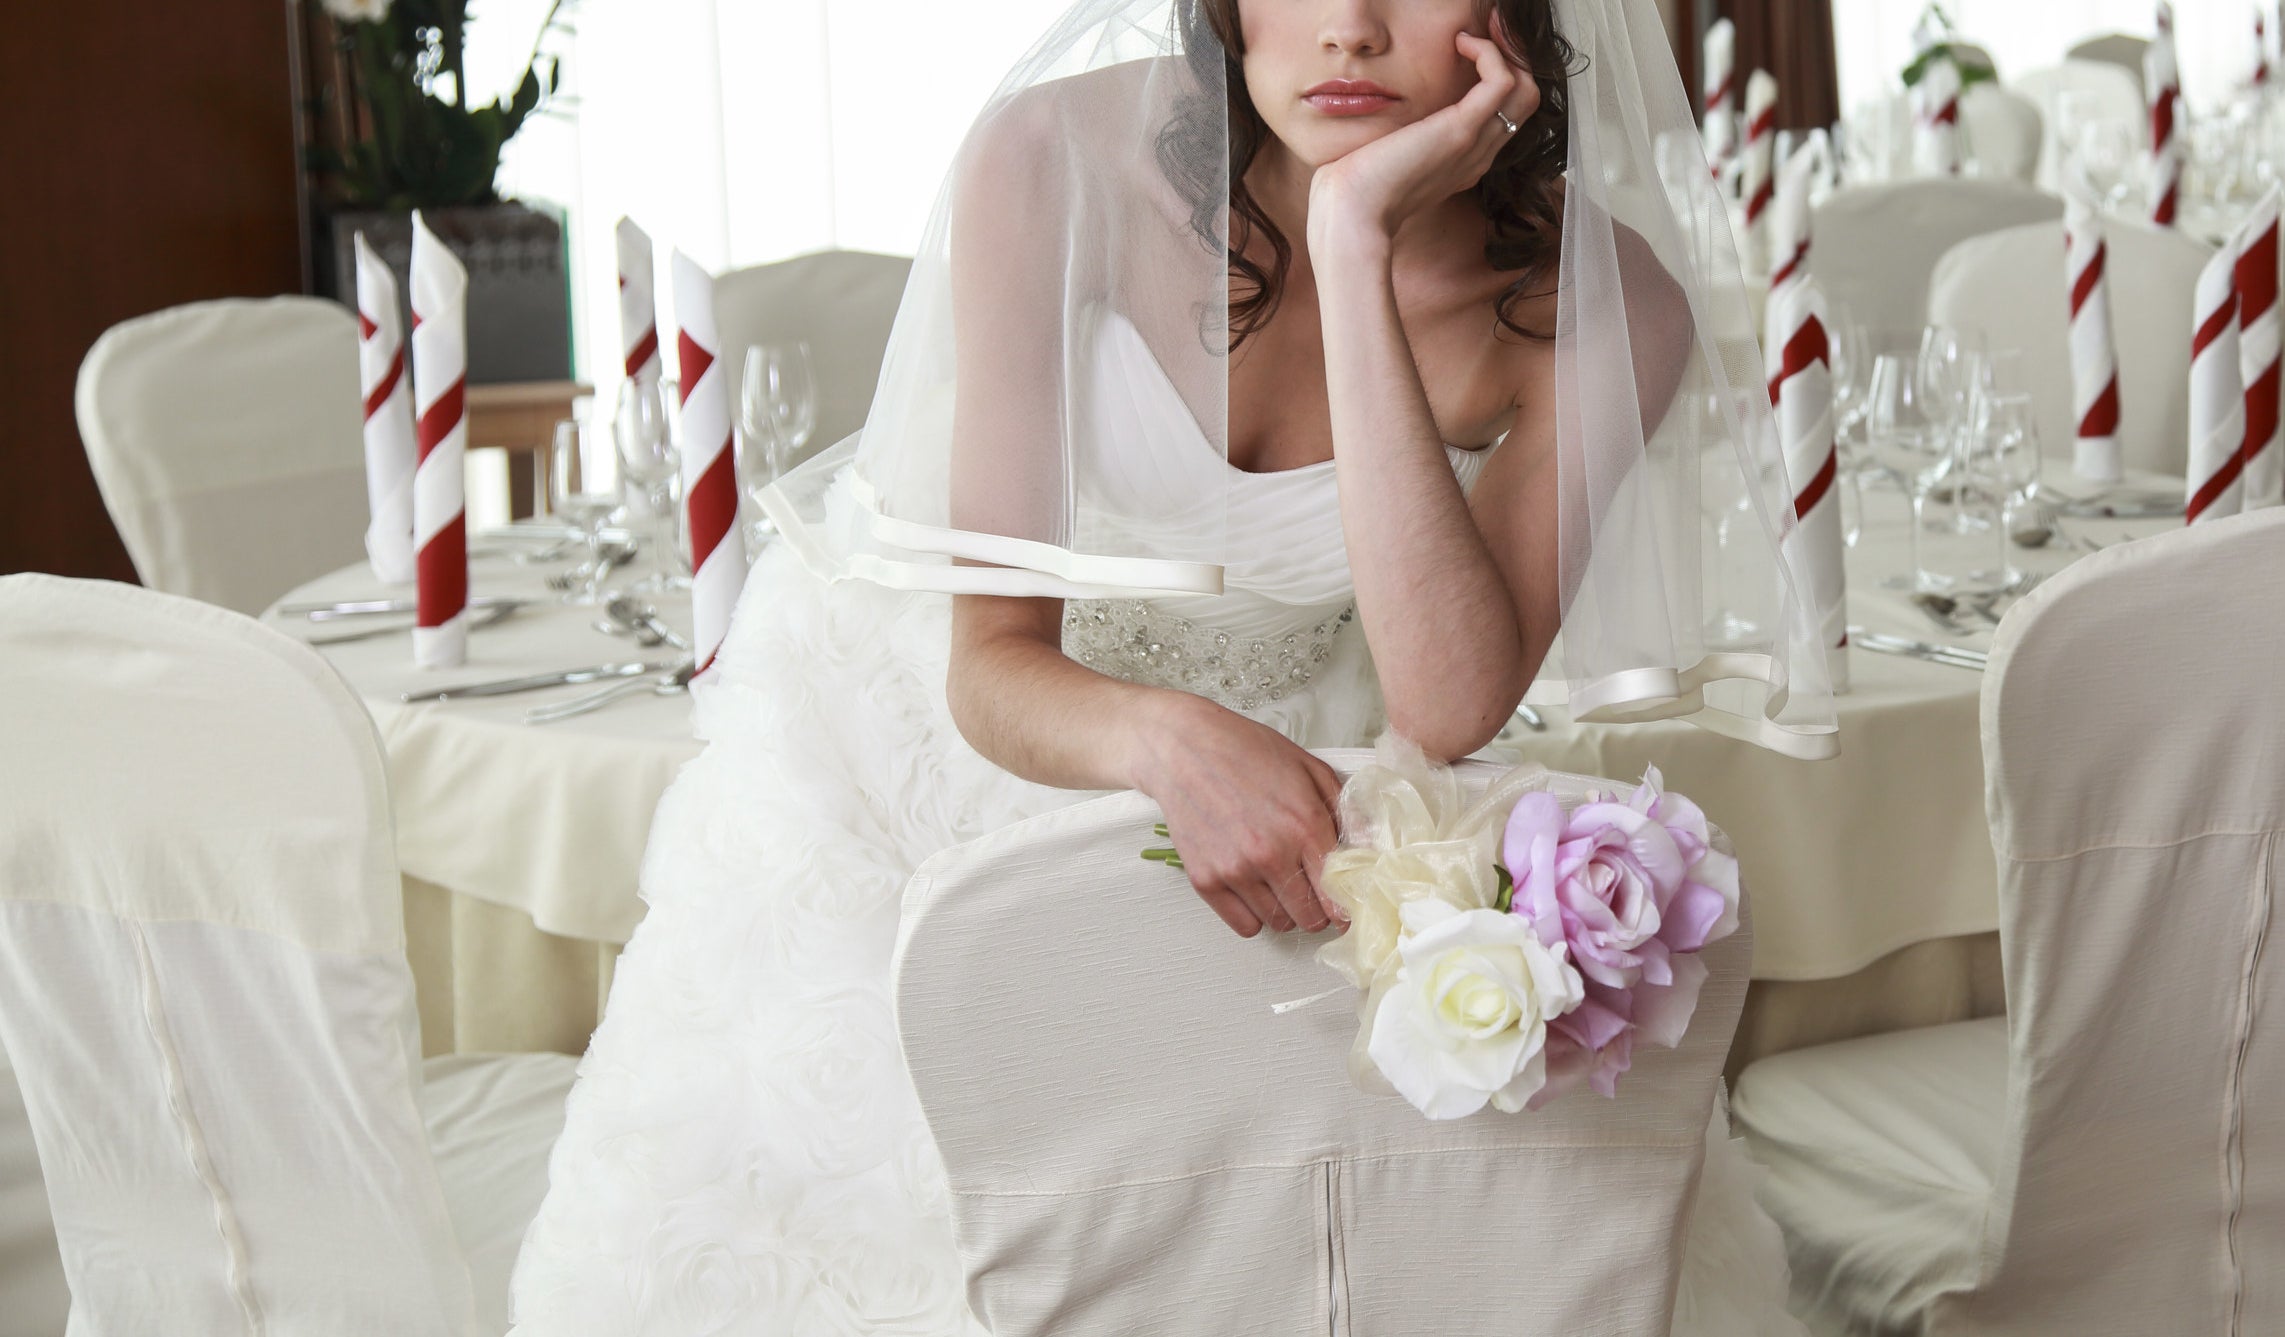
(1514, 946)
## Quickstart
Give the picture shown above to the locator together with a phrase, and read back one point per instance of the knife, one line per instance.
(363, 607)
(566, 678)
(1954, 655)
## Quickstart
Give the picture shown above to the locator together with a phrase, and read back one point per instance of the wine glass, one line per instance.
(2007, 462)
(784, 375)
(1900, 433)
(2109, 154)
(583, 487)
(652, 464)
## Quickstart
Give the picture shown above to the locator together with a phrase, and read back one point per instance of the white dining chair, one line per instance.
(2123, 51)
(1136, 1144)
(2012, 287)
(1877, 245)
(2001, 132)
(226, 439)
(2101, 1159)
(2096, 91)
(205, 1001)
(841, 302)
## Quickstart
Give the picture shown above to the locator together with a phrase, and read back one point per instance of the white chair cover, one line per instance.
(2003, 132)
(226, 439)
(2123, 50)
(1136, 1145)
(2104, 1158)
(204, 995)
(842, 302)
(2105, 93)
(1877, 245)
(2013, 287)
(32, 1292)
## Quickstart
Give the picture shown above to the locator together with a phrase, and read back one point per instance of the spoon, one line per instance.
(670, 685)
(636, 615)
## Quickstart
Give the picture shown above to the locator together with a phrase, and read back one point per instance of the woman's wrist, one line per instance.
(1154, 729)
(1344, 236)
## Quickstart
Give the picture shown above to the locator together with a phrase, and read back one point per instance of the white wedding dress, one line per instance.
(743, 1153)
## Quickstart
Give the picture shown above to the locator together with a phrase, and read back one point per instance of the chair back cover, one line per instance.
(2100, 92)
(842, 302)
(2136, 783)
(1877, 245)
(1136, 1144)
(203, 988)
(2122, 51)
(227, 440)
(2013, 286)
(2003, 131)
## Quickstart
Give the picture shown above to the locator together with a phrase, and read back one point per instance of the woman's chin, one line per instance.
(1332, 139)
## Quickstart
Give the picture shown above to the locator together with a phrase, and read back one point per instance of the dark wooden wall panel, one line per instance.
(148, 154)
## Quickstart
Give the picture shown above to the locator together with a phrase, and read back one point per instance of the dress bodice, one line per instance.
(1284, 622)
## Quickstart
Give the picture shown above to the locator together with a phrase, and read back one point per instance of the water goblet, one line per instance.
(584, 487)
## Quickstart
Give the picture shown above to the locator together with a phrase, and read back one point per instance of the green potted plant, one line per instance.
(399, 133)
(1935, 38)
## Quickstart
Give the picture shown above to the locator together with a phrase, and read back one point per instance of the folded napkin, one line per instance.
(1936, 119)
(2260, 333)
(440, 395)
(2162, 82)
(1789, 228)
(638, 304)
(1721, 85)
(2217, 396)
(1801, 386)
(390, 452)
(2094, 351)
(709, 469)
(1760, 184)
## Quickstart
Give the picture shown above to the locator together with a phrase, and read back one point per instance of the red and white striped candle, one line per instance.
(2261, 332)
(709, 473)
(391, 454)
(440, 397)
(2162, 81)
(638, 305)
(1936, 122)
(1721, 89)
(2217, 397)
(1760, 185)
(2094, 352)
(1801, 386)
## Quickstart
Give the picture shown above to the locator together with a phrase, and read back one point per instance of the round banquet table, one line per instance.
(1872, 876)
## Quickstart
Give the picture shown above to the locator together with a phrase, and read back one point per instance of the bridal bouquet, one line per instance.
(1513, 947)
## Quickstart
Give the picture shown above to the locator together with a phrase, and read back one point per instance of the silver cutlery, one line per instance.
(2129, 506)
(536, 681)
(324, 612)
(484, 617)
(670, 685)
(1532, 719)
(1952, 655)
(642, 618)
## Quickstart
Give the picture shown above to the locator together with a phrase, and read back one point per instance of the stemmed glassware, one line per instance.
(644, 431)
(583, 487)
(2003, 465)
(1906, 444)
(777, 414)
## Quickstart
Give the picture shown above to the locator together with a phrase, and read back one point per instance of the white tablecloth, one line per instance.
(1849, 861)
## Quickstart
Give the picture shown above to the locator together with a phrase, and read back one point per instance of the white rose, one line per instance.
(1465, 1021)
(358, 11)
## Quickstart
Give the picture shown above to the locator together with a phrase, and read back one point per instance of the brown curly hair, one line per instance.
(1521, 196)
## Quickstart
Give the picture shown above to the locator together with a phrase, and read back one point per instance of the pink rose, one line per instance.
(1635, 889)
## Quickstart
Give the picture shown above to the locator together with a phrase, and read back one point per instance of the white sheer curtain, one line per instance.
(1874, 38)
(742, 131)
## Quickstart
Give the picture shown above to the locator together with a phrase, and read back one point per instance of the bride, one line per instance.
(1272, 371)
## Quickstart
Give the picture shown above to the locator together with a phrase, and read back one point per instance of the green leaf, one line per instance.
(1506, 899)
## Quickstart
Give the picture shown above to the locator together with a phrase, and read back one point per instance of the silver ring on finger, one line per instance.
(1505, 124)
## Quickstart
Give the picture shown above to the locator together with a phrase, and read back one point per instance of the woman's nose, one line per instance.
(1354, 28)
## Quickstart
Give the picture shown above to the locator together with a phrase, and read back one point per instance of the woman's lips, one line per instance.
(1350, 97)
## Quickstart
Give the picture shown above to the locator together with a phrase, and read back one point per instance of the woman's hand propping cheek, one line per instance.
(1251, 814)
(1378, 186)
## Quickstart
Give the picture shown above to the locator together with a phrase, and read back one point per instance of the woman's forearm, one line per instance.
(1032, 710)
(1438, 614)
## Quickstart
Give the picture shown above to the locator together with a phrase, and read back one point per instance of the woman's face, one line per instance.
(1331, 75)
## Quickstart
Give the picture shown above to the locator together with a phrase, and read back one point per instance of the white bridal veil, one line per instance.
(1094, 187)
